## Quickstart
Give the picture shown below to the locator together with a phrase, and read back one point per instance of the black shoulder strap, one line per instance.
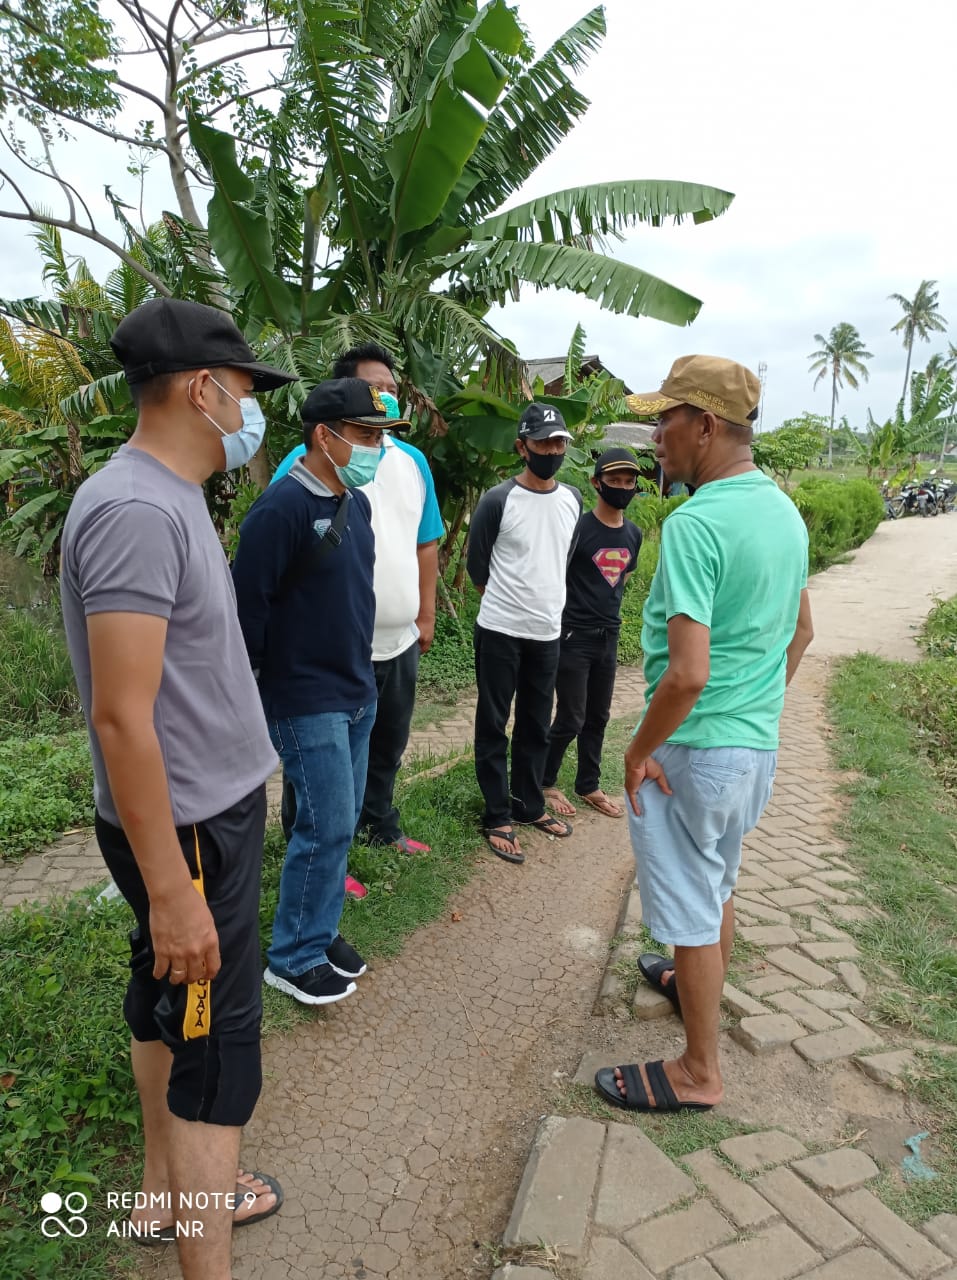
(310, 558)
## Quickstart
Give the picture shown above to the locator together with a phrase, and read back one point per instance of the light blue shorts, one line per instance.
(688, 845)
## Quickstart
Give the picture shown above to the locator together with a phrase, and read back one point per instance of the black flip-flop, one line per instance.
(551, 825)
(167, 1235)
(504, 833)
(663, 1097)
(652, 966)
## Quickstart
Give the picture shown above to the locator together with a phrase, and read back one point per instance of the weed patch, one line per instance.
(901, 832)
(46, 787)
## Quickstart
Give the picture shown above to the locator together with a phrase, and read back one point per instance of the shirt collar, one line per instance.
(299, 471)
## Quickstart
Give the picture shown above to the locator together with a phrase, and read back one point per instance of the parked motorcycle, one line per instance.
(919, 498)
(944, 490)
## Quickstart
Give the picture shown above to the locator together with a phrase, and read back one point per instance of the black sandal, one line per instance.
(635, 1098)
(508, 835)
(551, 825)
(652, 966)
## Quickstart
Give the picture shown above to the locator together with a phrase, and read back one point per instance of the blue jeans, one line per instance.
(324, 758)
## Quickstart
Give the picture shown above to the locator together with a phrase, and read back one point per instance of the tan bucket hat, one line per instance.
(729, 390)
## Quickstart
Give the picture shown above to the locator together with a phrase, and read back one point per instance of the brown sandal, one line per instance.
(605, 805)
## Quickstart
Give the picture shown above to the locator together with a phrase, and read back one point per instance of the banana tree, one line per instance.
(423, 128)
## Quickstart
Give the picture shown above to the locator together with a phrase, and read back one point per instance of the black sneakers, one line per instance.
(345, 959)
(321, 985)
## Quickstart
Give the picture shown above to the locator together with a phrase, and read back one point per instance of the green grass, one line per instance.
(901, 832)
(36, 679)
(902, 835)
(46, 787)
(676, 1135)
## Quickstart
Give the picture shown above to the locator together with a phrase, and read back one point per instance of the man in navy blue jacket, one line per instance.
(303, 576)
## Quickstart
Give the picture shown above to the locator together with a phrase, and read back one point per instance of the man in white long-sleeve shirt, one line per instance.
(520, 538)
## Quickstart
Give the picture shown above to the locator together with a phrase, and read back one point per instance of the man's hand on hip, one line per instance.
(639, 770)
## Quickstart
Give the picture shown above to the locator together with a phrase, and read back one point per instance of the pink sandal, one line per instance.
(354, 889)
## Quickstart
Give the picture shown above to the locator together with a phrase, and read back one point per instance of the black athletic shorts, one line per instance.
(212, 1028)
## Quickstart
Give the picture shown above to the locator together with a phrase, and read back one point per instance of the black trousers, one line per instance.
(395, 681)
(584, 686)
(508, 668)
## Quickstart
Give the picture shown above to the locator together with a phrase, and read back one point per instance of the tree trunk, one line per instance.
(830, 434)
(910, 349)
(259, 468)
(943, 447)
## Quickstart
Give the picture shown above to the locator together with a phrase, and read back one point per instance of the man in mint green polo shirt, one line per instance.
(726, 623)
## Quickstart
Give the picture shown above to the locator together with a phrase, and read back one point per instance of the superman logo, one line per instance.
(611, 563)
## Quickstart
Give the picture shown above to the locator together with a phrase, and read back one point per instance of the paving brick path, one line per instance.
(400, 1122)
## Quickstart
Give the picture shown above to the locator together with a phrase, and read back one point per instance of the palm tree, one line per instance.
(842, 355)
(921, 318)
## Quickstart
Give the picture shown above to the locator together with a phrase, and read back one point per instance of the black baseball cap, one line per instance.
(542, 422)
(616, 459)
(170, 335)
(352, 400)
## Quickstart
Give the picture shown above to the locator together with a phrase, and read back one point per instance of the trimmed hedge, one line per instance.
(839, 514)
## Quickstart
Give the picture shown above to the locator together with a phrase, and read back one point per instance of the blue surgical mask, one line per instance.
(238, 446)
(362, 465)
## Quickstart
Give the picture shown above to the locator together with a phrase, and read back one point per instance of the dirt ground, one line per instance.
(399, 1124)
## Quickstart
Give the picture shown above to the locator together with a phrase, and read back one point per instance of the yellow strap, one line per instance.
(198, 994)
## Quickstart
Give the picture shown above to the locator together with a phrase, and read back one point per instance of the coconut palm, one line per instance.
(921, 318)
(841, 355)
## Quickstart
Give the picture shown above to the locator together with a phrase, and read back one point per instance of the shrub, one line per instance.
(867, 509)
(932, 708)
(633, 602)
(839, 515)
(938, 637)
(449, 666)
(46, 787)
(36, 680)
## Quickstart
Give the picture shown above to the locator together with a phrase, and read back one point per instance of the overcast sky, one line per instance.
(831, 121)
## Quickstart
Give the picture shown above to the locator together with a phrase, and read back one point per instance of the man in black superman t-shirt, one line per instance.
(603, 560)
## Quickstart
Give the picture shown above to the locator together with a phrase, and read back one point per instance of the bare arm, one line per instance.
(126, 661)
(803, 635)
(427, 554)
(689, 666)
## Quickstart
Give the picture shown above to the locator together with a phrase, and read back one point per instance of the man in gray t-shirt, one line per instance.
(181, 753)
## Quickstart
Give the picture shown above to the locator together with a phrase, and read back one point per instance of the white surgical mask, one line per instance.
(238, 446)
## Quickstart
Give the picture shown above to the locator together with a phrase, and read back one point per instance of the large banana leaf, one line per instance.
(434, 140)
(539, 109)
(240, 236)
(57, 319)
(604, 208)
(110, 391)
(498, 266)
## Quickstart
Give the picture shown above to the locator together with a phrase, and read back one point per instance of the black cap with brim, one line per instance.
(542, 422)
(170, 335)
(350, 400)
(616, 459)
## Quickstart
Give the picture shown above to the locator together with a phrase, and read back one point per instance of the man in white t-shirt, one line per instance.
(520, 538)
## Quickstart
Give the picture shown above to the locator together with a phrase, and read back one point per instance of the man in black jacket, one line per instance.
(303, 576)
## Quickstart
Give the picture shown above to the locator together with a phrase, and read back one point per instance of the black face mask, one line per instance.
(617, 498)
(543, 465)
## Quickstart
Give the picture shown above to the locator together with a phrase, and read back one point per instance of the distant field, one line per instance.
(852, 470)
